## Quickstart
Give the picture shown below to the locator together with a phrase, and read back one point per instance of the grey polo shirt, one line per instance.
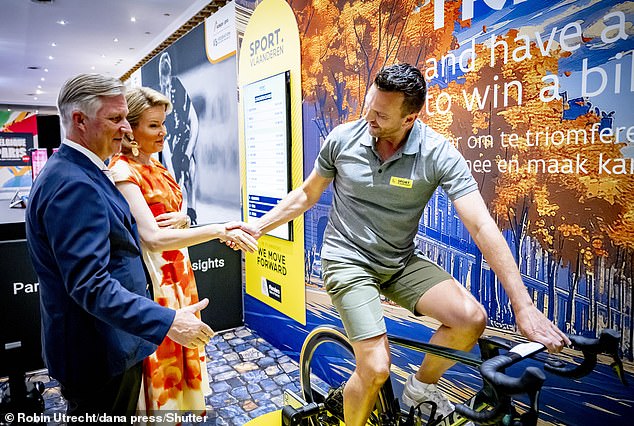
(377, 205)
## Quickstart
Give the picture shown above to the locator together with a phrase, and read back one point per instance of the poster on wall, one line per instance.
(536, 96)
(198, 74)
(14, 148)
(15, 170)
(17, 175)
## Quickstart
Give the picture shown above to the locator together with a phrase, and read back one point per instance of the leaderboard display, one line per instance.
(268, 146)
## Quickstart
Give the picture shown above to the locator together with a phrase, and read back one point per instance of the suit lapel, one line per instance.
(101, 180)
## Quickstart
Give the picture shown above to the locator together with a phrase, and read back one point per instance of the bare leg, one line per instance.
(373, 369)
(463, 321)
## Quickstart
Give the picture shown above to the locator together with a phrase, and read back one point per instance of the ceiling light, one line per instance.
(39, 86)
(133, 19)
(50, 57)
(45, 69)
(38, 92)
(62, 22)
(42, 79)
(53, 44)
(35, 98)
(116, 40)
(92, 68)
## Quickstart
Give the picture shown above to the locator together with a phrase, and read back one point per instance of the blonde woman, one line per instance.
(175, 377)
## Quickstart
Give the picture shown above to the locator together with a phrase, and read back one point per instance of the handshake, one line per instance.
(241, 236)
(187, 329)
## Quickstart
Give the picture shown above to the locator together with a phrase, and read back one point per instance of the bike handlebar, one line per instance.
(530, 381)
(607, 343)
(532, 378)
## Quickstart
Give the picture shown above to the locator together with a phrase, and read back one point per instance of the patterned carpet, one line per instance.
(247, 376)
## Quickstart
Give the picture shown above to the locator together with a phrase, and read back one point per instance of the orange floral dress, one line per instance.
(174, 377)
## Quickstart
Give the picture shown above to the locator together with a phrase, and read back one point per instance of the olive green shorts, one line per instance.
(354, 290)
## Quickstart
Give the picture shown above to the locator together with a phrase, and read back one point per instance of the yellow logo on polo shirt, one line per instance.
(401, 182)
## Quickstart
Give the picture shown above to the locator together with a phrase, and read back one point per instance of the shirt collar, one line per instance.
(412, 144)
(367, 139)
(88, 153)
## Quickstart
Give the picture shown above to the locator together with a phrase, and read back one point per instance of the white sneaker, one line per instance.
(418, 394)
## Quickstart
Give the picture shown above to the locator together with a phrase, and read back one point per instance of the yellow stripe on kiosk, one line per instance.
(270, 114)
(274, 418)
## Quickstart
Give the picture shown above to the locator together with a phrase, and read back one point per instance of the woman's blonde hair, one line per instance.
(140, 99)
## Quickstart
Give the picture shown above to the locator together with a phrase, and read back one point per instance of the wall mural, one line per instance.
(536, 96)
(535, 101)
(202, 144)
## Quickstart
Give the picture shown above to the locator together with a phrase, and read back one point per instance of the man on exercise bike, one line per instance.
(384, 168)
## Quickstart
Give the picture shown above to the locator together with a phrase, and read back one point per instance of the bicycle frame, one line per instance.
(496, 392)
(489, 348)
(391, 413)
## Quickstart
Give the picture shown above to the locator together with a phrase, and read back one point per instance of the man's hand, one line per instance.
(246, 227)
(237, 239)
(189, 331)
(533, 325)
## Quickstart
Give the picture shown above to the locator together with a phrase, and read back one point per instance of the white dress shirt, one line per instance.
(91, 156)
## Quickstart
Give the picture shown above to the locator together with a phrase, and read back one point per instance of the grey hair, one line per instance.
(83, 93)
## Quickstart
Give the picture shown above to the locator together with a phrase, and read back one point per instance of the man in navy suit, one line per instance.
(98, 323)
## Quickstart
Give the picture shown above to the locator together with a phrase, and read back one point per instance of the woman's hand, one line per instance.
(175, 220)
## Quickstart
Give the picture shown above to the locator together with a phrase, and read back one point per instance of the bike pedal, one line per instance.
(334, 400)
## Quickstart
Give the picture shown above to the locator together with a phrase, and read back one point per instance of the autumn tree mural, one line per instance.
(553, 176)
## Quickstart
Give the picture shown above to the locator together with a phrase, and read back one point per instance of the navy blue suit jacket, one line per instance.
(97, 320)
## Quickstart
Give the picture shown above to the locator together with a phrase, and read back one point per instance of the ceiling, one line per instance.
(38, 53)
